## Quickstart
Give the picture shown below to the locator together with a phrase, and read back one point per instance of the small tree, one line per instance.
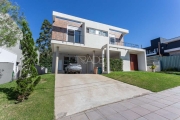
(10, 23)
(44, 45)
(28, 80)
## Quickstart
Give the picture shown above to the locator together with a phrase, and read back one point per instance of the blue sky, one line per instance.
(145, 19)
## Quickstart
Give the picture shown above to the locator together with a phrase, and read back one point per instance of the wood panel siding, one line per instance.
(133, 62)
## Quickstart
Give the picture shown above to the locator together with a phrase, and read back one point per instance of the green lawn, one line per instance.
(39, 106)
(148, 80)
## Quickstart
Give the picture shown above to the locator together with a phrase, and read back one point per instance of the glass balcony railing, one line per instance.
(125, 44)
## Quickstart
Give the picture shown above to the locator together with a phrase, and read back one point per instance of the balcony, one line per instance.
(124, 44)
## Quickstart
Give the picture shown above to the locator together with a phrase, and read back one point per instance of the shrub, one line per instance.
(115, 64)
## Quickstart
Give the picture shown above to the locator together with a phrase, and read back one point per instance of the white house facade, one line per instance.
(87, 43)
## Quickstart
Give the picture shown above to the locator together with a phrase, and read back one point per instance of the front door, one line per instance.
(133, 62)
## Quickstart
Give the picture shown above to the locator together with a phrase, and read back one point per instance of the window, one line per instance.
(97, 32)
(74, 36)
(112, 40)
(77, 36)
(70, 35)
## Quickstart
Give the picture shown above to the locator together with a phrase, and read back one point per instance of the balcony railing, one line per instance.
(125, 44)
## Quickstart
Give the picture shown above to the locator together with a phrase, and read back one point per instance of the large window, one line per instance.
(97, 32)
(74, 36)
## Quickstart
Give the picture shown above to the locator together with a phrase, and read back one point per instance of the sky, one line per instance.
(145, 19)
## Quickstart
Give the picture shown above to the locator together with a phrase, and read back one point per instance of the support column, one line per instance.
(93, 59)
(107, 58)
(57, 60)
(103, 60)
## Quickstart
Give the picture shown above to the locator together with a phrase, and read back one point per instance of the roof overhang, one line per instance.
(172, 50)
(77, 19)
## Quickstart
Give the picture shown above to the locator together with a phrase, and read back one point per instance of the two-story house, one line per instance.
(86, 42)
(164, 47)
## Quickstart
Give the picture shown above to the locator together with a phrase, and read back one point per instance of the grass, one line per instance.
(39, 106)
(171, 72)
(154, 82)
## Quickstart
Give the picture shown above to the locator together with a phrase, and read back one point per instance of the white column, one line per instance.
(103, 60)
(107, 58)
(93, 59)
(57, 60)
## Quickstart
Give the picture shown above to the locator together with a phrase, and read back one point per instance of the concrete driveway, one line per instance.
(78, 92)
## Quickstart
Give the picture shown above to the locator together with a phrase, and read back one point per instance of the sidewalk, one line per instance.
(163, 105)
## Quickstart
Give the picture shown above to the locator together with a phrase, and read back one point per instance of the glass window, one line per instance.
(92, 31)
(77, 36)
(70, 35)
(103, 33)
(97, 32)
(112, 40)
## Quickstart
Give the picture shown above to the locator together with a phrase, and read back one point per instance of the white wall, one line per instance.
(7, 56)
(125, 56)
(142, 65)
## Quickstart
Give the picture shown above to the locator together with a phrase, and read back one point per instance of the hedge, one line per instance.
(115, 64)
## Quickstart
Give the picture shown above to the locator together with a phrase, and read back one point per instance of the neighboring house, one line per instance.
(167, 47)
(8, 53)
(78, 40)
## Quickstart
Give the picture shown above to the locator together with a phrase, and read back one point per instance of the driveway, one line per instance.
(163, 105)
(79, 92)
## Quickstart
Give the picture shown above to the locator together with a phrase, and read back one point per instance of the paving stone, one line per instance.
(145, 100)
(150, 107)
(141, 111)
(158, 104)
(79, 117)
(153, 116)
(94, 115)
(116, 117)
(117, 107)
(130, 115)
(151, 97)
(141, 118)
(167, 114)
(172, 109)
(136, 102)
(172, 99)
(178, 118)
(158, 95)
(64, 118)
(127, 104)
(165, 102)
(106, 111)
(177, 105)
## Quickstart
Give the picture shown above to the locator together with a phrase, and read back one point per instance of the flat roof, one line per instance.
(70, 17)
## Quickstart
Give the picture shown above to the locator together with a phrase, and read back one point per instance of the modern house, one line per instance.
(164, 47)
(86, 42)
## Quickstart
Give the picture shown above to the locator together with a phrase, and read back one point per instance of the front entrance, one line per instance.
(133, 62)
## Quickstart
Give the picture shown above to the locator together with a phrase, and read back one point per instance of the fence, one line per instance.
(170, 62)
(167, 62)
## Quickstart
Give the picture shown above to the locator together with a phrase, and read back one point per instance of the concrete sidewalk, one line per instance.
(78, 92)
(164, 105)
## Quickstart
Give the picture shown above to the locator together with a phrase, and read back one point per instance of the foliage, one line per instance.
(148, 80)
(39, 103)
(115, 64)
(44, 45)
(26, 84)
(10, 23)
(171, 69)
(153, 67)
